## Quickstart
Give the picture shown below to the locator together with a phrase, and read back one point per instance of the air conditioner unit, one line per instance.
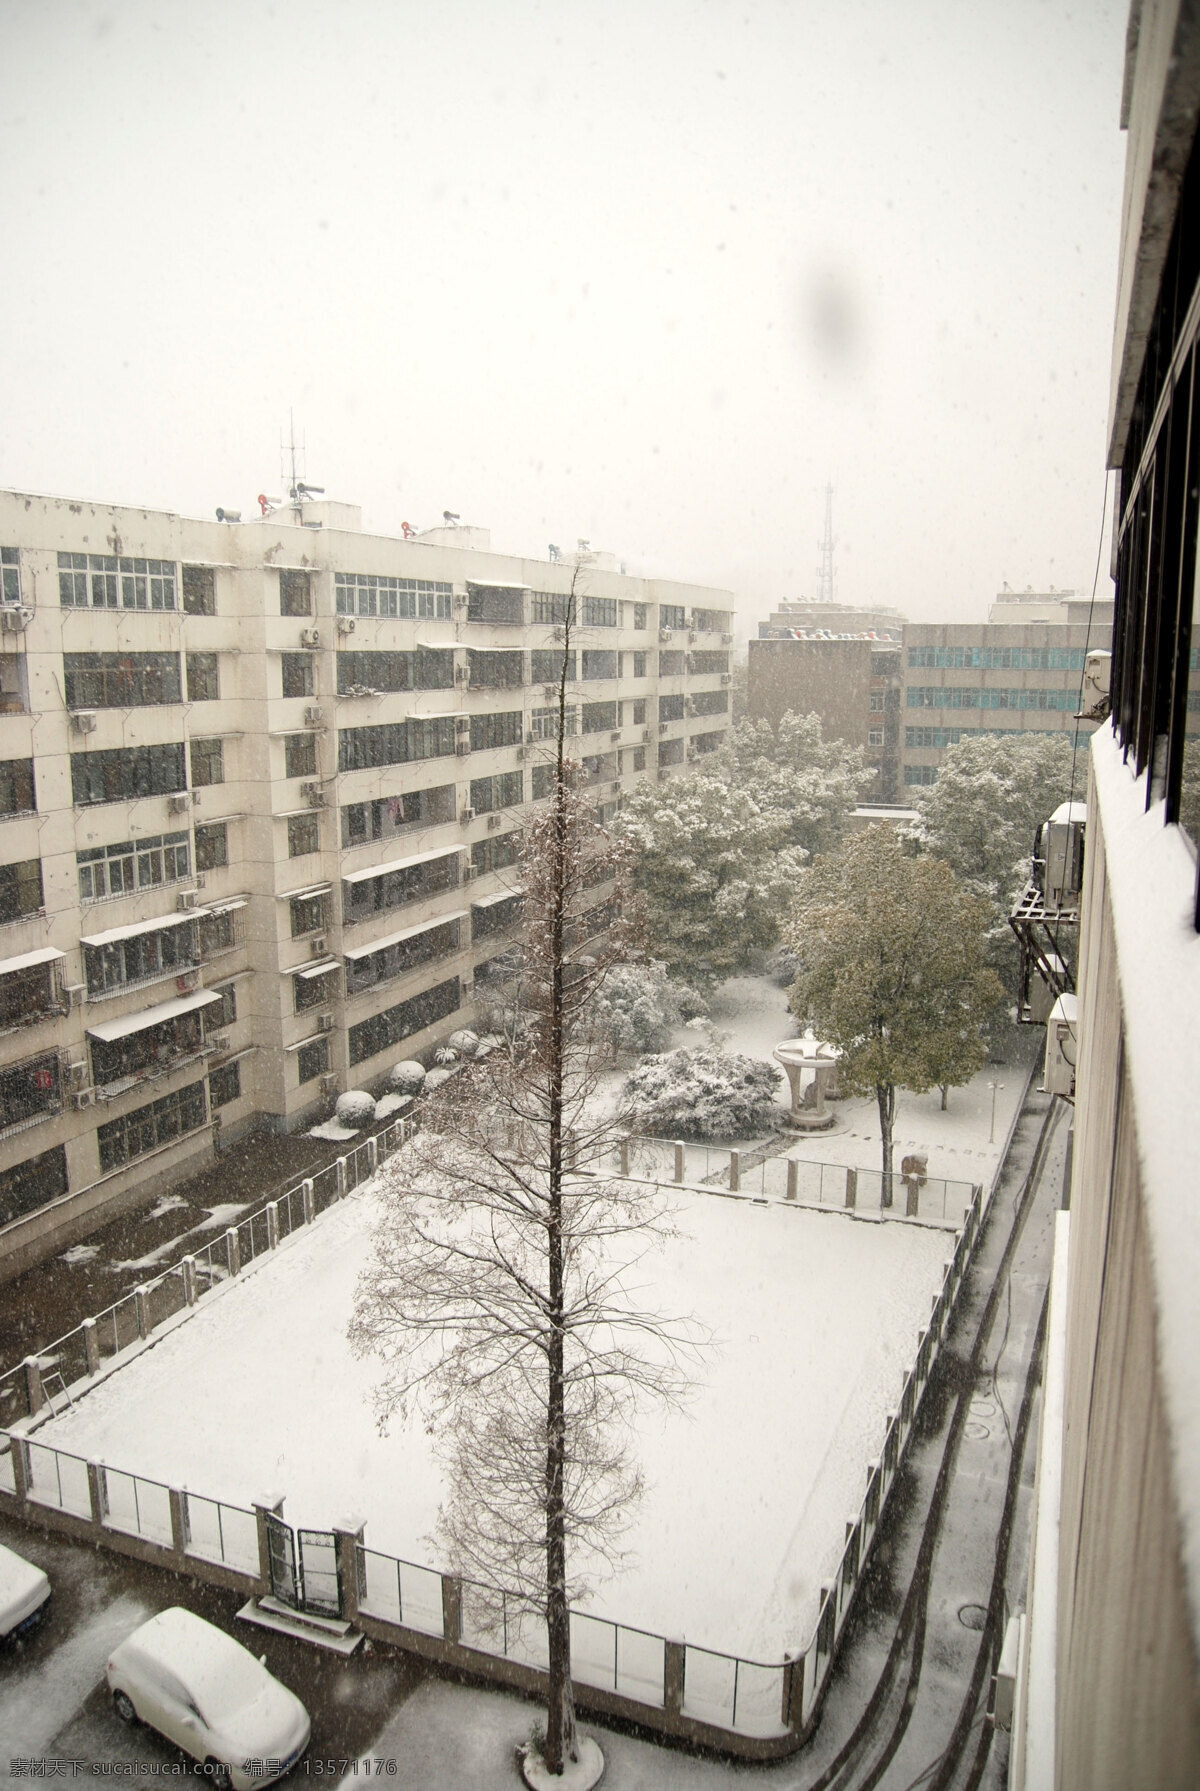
(663, 774)
(201, 880)
(345, 624)
(472, 870)
(462, 724)
(689, 708)
(522, 752)
(313, 717)
(217, 1043)
(313, 794)
(615, 737)
(318, 945)
(550, 692)
(692, 638)
(616, 789)
(83, 721)
(460, 600)
(329, 1082)
(727, 640)
(726, 677)
(647, 733)
(663, 726)
(494, 821)
(187, 898)
(530, 738)
(180, 803)
(186, 981)
(664, 634)
(462, 748)
(468, 814)
(75, 993)
(83, 1097)
(462, 674)
(324, 1022)
(75, 1074)
(16, 620)
(310, 637)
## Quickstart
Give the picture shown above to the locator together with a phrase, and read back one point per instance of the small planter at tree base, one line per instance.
(577, 1775)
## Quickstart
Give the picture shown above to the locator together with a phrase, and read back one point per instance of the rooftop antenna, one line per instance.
(293, 454)
(825, 569)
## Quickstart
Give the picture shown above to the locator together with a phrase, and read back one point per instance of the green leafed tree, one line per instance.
(892, 970)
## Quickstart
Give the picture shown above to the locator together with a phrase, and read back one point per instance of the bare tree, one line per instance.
(504, 1293)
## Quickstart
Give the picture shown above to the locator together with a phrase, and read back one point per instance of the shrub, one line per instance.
(639, 1005)
(354, 1109)
(703, 1094)
(408, 1077)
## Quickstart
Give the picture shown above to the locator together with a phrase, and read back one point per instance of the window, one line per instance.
(672, 665)
(875, 737)
(152, 1048)
(102, 581)
(20, 889)
(30, 1089)
(212, 846)
(123, 772)
(543, 782)
(704, 664)
(920, 774)
(704, 743)
(300, 755)
(550, 609)
(203, 683)
(389, 815)
(132, 864)
(671, 752)
(304, 835)
(140, 958)
(16, 787)
(26, 993)
(298, 679)
(33, 1183)
(381, 1031)
(208, 762)
(1024, 659)
(597, 717)
(147, 1128)
(199, 591)
(641, 616)
(398, 959)
(502, 669)
(309, 914)
(219, 932)
(956, 696)
(295, 592)
(429, 668)
(708, 621)
(639, 665)
(120, 680)
(394, 889)
(672, 615)
(670, 708)
(10, 582)
(225, 1085)
(496, 854)
(309, 990)
(312, 1059)
(395, 743)
(501, 729)
(365, 594)
(639, 758)
(599, 665)
(598, 612)
(639, 713)
(875, 702)
(708, 702)
(495, 603)
(504, 791)
(223, 1012)
(543, 723)
(489, 918)
(546, 665)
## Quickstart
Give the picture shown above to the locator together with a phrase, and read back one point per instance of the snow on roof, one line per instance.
(107, 1030)
(42, 955)
(399, 864)
(158, 925)
(1151, 886)
(423, 926)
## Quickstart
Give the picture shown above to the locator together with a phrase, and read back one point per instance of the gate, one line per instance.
(304, 1568)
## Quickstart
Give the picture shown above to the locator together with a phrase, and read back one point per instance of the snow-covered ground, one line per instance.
(816, 1317)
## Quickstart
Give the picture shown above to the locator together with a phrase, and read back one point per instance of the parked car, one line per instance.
(24, 1589)
(206, 1693)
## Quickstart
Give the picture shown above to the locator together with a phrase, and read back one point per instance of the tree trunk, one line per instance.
(885, 1095)
(945, 1088)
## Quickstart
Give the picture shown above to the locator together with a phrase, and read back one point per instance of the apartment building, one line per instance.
(852, 681)
(260, 792)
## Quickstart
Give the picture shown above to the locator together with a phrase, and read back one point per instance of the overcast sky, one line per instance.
(643, 271)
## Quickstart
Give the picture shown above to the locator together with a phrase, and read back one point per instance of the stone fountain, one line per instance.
(809, 1110)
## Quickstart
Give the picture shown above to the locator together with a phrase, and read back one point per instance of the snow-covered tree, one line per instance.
(640, 1004)
(890, 949)
(792, 771)
(703, 1094)
(497, 1296)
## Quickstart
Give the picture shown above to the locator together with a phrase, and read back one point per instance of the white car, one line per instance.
(24, 1589)
(208, 1695)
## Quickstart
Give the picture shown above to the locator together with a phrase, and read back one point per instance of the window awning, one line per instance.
(399, 864)
(502, 895)
(436, 646)
(314, 1038)
(228, 905)
(321, 969)
(44, 955)
(304, 895)
(424, 926)
(107, 1030)
(495, 649)
(492, 584)
(182, 919)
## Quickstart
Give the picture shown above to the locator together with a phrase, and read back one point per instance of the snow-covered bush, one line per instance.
(703, 1094)
(408, 1077)
(435, 1078)
(465, 1042)
(639, 1004)
(356, 1108)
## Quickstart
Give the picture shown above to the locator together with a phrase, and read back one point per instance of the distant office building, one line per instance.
(851, 681)
(260, 787)
(804, 617)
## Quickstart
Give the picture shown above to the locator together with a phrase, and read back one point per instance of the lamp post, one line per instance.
(995, 1088)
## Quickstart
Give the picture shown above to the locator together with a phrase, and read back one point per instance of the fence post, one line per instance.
(188, 1268)
(35, 1393)
(340, 1166)
(911, 1205)
(792, 1714)
(347, 1539)
(372, 1155)
(272, 1225)
(678, 1161)
(20, 1460)
(180, 1527)
(793, 1181)
(852, 1187)
(271, 1506)
(97, 1492)
(624, 1156)
(673, 1678)
(91, 1348)
(451, 1607)
(234, 1249)
(141, 1308)
(735, 1171)
(310, 1205)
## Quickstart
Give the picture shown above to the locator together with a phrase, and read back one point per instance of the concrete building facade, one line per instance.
(260, 792)
(852, 681)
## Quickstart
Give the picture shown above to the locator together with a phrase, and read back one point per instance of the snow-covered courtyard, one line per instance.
(816, 1317)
